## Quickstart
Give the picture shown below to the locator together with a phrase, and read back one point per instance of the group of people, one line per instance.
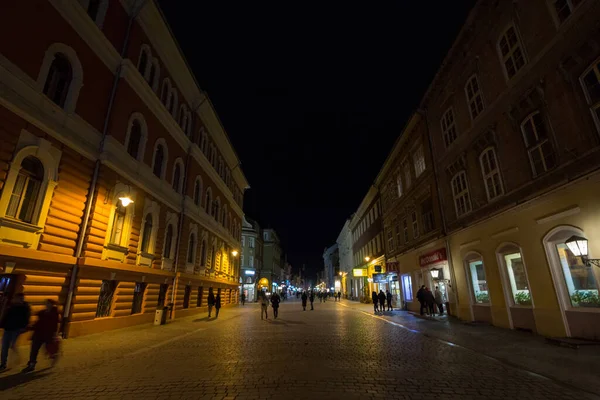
(429, 301)
(214, 301)
(275, 299)
(16, 321)
(380, 300)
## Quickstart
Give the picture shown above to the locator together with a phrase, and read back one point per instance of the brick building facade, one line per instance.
(121, 192)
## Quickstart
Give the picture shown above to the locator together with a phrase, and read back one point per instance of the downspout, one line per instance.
(65, 323)
(423, 112)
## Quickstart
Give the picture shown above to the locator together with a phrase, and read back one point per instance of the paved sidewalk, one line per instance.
(579, 368)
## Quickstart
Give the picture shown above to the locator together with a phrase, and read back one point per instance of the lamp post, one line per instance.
(234, 253)
(366, 280)
(579, 247)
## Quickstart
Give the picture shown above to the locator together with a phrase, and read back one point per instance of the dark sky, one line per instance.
(313, 96)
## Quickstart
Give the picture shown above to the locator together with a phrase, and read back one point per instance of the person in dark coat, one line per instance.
(421, 298)
(304, 298)
(218, 303)
(243, 298)
(311, 298)
(275, 300)
(44, 332)
(430, 301)
(14, 323)
(375, 299)
(382, 300)
(388, 296)
(210, 301)
(339, 296)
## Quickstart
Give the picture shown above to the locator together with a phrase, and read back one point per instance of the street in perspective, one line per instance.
(216, 200)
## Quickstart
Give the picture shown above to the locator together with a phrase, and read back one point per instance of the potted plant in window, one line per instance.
(482, 297)
(523, 298)
(585, 298)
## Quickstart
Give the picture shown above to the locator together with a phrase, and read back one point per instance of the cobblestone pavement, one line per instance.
(333, 351)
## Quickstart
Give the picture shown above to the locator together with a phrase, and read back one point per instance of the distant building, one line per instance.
(344, 242)
(331, 261)
(252, 257)
(272, 271)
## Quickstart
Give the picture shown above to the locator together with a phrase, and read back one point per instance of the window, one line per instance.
(478, 282)
(58, 80)
(153, 75)
(135, 137)
(92, 8)
(147, 233)
(474, 97)
(491, 174)
(581, 283)
(208, 201)
(199, 297)
(398, 235)
(427, 217)
(138, 297)
(511, 53)
(415, 224)
(186, 296)
(251, 261)
(539, 148)
(143, 61)
(168, 241)
(448, 127)
(390, 237)
(407, 290)
(591, 85)
(405, 229)
(242, 260)
(191, 253)
(517, 276)
(460, 192)
(26, 191)
(203, 253)
(165, 92)
(162, 295)
(564, 8)
(243, 242)
(407, 174)
(419, 161)
(107, 291)
(197, 192)
(118, 225)
(216, 209)
(251, 242)
(177, 176)
(159, 160)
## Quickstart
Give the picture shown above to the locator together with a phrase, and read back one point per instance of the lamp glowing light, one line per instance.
(578, 246)
(234, 253)
(125, 201)
(367, 259)
(435, 273)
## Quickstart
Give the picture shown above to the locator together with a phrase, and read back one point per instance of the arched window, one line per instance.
(153, 75)
(514, 275)
(208, 201)
(147, 233)
(118, 225)
(173, 100)
(23, 200)
(159, 159)
(197, 191)
(93, 8)
(217, 209)
(477, 279)
(203, 253)
(143, 62)
(135, 137)
(177, 175)
(168, 241)
(224, 219)
(58, 79)
(460, 192)
(474, 97)
(491, 173)
(96, 10)
(191, 253)
(165, 93)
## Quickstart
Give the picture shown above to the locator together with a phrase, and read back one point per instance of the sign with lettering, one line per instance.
(392, 266)
(379, 278)
(433, 257)
(359, 272)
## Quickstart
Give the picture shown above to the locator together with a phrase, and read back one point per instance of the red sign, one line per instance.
(433, 257)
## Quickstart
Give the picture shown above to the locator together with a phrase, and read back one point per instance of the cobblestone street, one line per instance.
(333, 351)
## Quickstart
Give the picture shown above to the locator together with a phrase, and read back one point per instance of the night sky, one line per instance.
(313, 97)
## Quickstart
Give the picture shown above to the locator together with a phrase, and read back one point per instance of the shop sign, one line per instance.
(379, 278)
(249, 272)
(433, 257)
(378, 268)
(392, 266)
(359, 272)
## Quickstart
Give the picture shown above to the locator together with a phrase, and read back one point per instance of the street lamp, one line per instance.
(125, 200)
(579, 247)
(366, 280)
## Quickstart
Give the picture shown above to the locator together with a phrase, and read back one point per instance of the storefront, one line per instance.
(393, 268)
(435, 273)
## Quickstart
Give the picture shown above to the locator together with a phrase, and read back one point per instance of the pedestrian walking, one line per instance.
(218, 303)
(439, 299)
(14, 323)
(421, 298)
(382, 300)
(275, 300)
(44, 333)
(375, 299)
(243, 298)
(320, 294)
(210, 301)
(311, 298)
(304, 298)
(340, 296)
(264, 305)
(388, 296)
(430, 301)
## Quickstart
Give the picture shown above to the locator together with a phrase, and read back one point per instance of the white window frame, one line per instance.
(419, 160)
(485, 154)
(251, 242)
(505, 57)
(448, 127)
(555, 13)
(595, 107)
(469, 258)
(463, 193)
(474, 111)
(538, 145)
(150, 208)
(136, 116)
(407, 295)
(508, 280)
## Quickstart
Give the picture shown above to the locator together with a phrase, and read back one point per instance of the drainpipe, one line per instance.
(423, 112)
(65, 323)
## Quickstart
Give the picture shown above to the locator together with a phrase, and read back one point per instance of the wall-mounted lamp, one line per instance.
(125, 200)
(435, 273)
(579, 247)
(234, 253)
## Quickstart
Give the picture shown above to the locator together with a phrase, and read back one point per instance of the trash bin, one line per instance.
(160, 317)
(164, 315)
